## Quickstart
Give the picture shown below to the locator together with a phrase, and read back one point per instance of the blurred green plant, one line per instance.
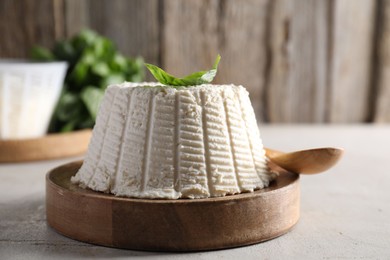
(94, 63)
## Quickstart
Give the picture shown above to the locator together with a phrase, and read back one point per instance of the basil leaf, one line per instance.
(68, 127)
(94, 62)
(92, 97)
(101, 69)
(68, 107)
(40, 53)
(197, 78)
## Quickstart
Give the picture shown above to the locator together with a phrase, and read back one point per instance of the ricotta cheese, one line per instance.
(154, 141)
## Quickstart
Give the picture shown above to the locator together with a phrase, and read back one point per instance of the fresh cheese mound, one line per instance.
(155, 141)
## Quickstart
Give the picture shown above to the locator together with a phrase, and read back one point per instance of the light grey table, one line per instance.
(345, 212)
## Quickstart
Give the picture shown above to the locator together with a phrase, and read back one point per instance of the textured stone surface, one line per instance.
(344, 212)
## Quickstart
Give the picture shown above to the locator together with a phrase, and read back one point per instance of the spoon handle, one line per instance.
(309, 161)
(270, 153)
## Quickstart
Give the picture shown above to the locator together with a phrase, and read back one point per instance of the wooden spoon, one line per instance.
(306, 161)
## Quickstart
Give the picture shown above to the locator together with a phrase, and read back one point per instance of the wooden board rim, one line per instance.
(51, 146)
(107, 220)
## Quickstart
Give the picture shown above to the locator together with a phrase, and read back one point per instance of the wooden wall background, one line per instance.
(309, 61)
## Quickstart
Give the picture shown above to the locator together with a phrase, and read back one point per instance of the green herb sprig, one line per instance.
(94, 63)
(197, 78)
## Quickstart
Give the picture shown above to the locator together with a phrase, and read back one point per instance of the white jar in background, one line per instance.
(29, 92)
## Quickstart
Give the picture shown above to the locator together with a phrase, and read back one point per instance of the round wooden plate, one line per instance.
(49, 147)
(170, 225)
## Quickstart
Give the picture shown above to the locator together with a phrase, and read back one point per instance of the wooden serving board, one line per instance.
(49, 147)
(170, 225)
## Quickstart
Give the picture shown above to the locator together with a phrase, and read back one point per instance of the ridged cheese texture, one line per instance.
(159, 142)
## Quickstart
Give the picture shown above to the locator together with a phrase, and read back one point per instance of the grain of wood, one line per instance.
(195, 31)
(383, 101)
(344, 212)
(299, 64)
(49, 147)
(242, 33)
(59, 19)
(76, 16)
(351, 60)
(171, 225)
(132, 25)
(190, 35)
(301, 61)
(24, 24)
